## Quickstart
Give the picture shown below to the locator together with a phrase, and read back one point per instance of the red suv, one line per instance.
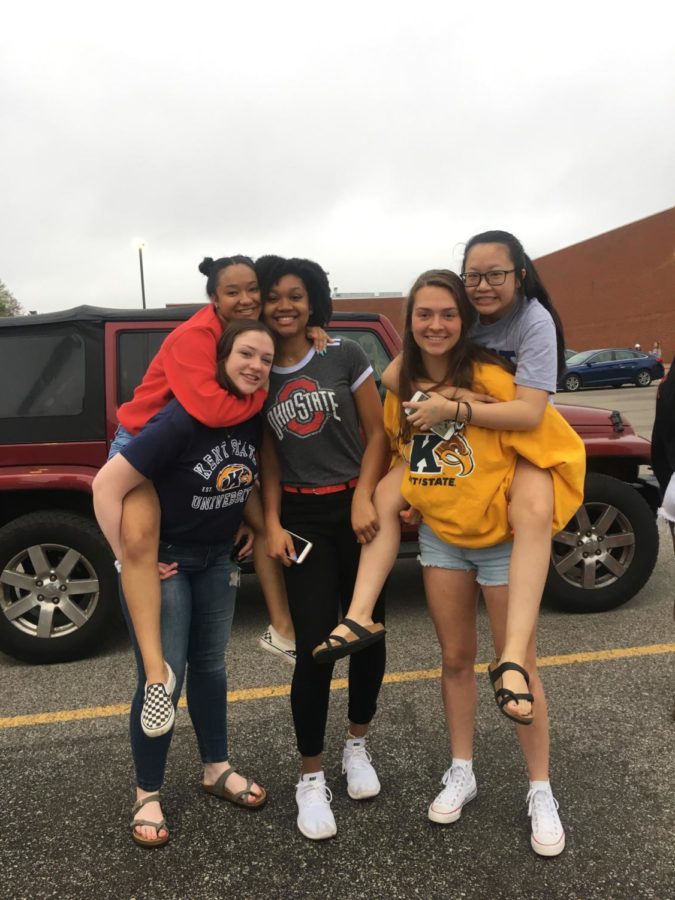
(64, 375)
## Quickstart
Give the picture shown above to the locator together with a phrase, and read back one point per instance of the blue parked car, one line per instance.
(615, 366)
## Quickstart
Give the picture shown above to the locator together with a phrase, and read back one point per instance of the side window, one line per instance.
(604, 357)
(371, 345)
(135, 350)
(623, 354)
(51, 375)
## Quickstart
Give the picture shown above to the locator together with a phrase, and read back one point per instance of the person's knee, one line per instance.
(140, 541)
(457, 664)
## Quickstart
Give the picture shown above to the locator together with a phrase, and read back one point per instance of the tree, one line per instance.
(9, 305)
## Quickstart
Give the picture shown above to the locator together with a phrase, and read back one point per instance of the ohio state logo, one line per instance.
(302, 408)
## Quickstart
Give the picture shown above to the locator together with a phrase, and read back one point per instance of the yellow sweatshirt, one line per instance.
(461, 485)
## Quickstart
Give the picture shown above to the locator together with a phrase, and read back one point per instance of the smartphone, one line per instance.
(444, 429)
(301, 547)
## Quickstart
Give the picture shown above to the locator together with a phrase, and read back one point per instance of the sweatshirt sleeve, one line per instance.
(190, 368)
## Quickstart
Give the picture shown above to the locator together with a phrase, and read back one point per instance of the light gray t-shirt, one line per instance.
(525, 335)
(311, 413)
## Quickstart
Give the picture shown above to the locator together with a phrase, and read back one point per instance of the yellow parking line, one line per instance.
(283, 690)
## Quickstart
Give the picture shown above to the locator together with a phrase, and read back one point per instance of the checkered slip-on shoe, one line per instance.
(280, 646)
(158, 713)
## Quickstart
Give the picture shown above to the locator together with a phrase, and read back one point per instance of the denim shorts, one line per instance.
(121, 438)
(491, 564)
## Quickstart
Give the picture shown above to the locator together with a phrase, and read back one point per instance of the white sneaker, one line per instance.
(315, 817)
(158, 713)
(273, 642)
(459, 787)
(362, 780)
(548, 835)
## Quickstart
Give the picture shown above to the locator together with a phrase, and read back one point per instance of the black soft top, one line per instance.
(100, 314)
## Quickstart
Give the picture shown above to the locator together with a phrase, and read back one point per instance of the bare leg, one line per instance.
(531, 515)
(451, 599)
(140, 575)
(268, 570)
(534, 739)
(378, 557)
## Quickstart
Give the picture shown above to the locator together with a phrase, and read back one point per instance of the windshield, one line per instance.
(580, 358)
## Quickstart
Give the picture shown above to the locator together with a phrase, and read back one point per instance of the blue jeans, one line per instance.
(197, 612)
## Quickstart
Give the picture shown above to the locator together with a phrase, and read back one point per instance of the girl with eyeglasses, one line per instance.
(516, 318)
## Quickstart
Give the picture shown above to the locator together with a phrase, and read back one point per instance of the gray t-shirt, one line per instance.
(311, 413)
(525, 335)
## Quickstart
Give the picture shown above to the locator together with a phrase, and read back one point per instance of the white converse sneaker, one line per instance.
(315, 817)
(459, 787)
(273, 642)
(158, 713)
(362, 780)
(548, 835)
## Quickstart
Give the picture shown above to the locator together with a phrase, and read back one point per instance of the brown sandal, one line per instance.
(240, 797)
(148, 842)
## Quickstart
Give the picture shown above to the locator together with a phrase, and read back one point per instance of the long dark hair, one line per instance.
(531, 286)
(462, 357)
(224, 349)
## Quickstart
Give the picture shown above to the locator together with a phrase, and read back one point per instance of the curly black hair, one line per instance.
(271, 269)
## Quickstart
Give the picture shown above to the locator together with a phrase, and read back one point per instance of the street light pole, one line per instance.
(140, 262)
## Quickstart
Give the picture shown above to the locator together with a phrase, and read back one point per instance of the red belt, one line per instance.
(323, 489)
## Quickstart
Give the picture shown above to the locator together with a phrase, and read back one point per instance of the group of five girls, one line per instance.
(483, 458)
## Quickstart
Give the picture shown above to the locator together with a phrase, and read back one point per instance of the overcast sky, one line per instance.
(373, 137)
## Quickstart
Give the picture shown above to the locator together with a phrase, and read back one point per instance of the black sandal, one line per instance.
(504, 695)
(336, 647)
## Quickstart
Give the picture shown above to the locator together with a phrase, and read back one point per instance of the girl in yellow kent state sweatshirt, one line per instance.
(459, 481)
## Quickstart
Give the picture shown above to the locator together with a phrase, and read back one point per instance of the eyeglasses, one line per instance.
(493, 278)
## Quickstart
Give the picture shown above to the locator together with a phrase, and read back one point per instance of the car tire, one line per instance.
(58, 587)
(607, 552)
(643, 378)
(572, 383)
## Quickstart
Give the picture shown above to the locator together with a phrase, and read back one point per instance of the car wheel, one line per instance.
(643, 378)
(607, 552)
(58, 588)
(572, 383)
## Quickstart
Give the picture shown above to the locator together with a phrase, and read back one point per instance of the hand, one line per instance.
(411, 516)
(166, 570)
(246, 534)
(429, 412)
(318, 337)
(280, 545)
(364, 519)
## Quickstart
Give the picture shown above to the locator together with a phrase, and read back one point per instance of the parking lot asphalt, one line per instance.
(609, 680)
(66, 773)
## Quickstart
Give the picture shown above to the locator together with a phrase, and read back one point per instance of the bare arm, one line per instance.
(390, 379)
(110, 487)
(376, 454)
(523, 413)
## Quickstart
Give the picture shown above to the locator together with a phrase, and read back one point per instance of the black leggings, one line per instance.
(318, 589)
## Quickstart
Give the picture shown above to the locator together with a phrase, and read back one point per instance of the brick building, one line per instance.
(617, 288)
(611, 290)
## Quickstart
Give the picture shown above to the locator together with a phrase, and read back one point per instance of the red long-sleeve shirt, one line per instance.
(185, 368)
